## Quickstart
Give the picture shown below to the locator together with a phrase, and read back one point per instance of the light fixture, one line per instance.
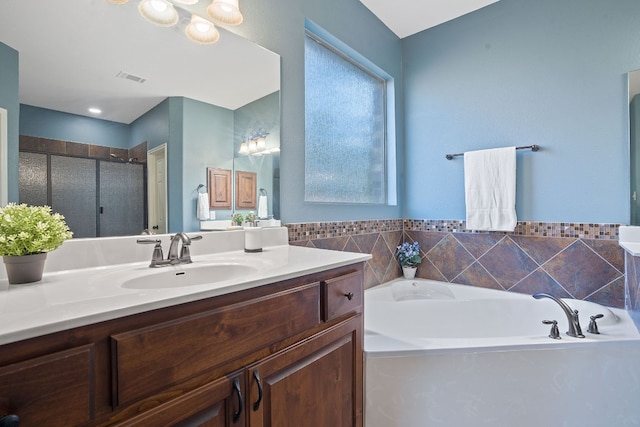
(187, 1)
(261, 143)
(252, 146)
(225, 11)
(159, 12)
(201, 31)
(243, 148)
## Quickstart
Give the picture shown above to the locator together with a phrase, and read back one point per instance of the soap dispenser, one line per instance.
(252, 239)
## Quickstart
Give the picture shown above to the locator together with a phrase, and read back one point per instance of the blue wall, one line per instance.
(10, 101)
(521, 72)
(278, 25)
(45, 123)
(152, 127)
(207, 142)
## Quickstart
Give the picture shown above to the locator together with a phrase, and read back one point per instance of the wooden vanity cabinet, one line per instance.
(284, 354)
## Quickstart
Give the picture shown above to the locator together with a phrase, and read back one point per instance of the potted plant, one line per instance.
(27, 233)
(237, 218)
(408, 255)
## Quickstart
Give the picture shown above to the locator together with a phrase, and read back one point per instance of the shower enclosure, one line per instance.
(97, 197)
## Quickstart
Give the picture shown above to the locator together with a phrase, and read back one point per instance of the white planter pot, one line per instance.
(409, 272)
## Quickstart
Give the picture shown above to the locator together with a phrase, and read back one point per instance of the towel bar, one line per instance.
(532, 147)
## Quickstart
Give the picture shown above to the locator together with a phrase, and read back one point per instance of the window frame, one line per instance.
(354, 58)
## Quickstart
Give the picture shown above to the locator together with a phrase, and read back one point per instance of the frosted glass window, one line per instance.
(344, 128)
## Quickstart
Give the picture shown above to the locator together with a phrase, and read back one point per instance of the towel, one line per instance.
(202, 206)
(263, 209)
(490, 189)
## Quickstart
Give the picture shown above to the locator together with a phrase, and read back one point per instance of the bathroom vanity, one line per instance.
(281, 346)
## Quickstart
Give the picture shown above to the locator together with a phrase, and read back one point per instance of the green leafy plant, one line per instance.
(237, 218)
(27, 230)
(251, 216)
(408, 254)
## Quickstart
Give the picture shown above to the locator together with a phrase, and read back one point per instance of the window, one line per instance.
(345, 128)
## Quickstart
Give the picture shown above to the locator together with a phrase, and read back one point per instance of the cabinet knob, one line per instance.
(349, 296)
(9, 421)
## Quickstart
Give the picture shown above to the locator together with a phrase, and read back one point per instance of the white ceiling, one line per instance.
(407, 17)
(70, 52)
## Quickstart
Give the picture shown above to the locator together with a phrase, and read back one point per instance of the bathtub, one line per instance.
(440, 354)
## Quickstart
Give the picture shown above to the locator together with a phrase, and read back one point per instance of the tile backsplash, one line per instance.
(582, 261)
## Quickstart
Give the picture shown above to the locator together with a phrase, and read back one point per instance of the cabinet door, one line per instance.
(53, 390)
(317, 383)
(220, 403)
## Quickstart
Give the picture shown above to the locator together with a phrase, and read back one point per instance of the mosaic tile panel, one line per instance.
(582, 261)
(632, 266)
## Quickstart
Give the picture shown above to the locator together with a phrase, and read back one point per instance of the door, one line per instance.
(313, 384)
(121, 199)
(157, 189)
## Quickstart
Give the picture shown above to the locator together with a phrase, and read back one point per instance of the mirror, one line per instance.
(634, 144)
(153, 86)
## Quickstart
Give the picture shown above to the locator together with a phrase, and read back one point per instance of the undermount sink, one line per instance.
(179, 276)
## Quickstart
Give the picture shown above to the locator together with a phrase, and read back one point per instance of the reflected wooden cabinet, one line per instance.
(219, 186)
(246, 184)
(279, 355)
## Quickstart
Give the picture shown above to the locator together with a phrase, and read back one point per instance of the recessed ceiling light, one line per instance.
(94, 110)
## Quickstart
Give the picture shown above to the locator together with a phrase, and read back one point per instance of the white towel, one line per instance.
(202, 206)
(490, 189)
(263, 208)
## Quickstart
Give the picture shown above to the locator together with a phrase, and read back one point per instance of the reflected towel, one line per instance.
(202, 206)
(263, 209)
(490, 189)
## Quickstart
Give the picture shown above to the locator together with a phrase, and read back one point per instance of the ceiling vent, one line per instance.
(131, 77)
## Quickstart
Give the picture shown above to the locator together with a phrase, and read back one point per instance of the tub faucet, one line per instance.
(572, 315)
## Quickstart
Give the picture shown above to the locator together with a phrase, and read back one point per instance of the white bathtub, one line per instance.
(439, 354)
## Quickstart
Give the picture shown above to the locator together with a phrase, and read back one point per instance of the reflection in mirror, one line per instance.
(634, 144)
(155, 88)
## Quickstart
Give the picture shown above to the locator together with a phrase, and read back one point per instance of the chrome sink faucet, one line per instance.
(572, 315)
(185, 254)
(173, 258)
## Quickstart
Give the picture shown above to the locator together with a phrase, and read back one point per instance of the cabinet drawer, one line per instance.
(150, 359)
(341, 295)
(53, 390)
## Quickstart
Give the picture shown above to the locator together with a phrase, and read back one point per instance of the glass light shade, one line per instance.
(243, 148)
(261, 143)
(159, 12)
(225, 12)
(201, 31)
(187, 1)
(252, 145)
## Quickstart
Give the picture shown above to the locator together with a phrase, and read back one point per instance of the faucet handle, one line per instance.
(555, 332)
(157, 255)
(593, 326)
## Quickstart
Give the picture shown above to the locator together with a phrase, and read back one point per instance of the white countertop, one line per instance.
(73, 298)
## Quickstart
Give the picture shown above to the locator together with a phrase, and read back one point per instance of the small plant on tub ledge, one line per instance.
(408, 255)
(27, 233)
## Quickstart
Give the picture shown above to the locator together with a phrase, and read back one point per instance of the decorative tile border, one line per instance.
(523, 228)
(320, 230)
